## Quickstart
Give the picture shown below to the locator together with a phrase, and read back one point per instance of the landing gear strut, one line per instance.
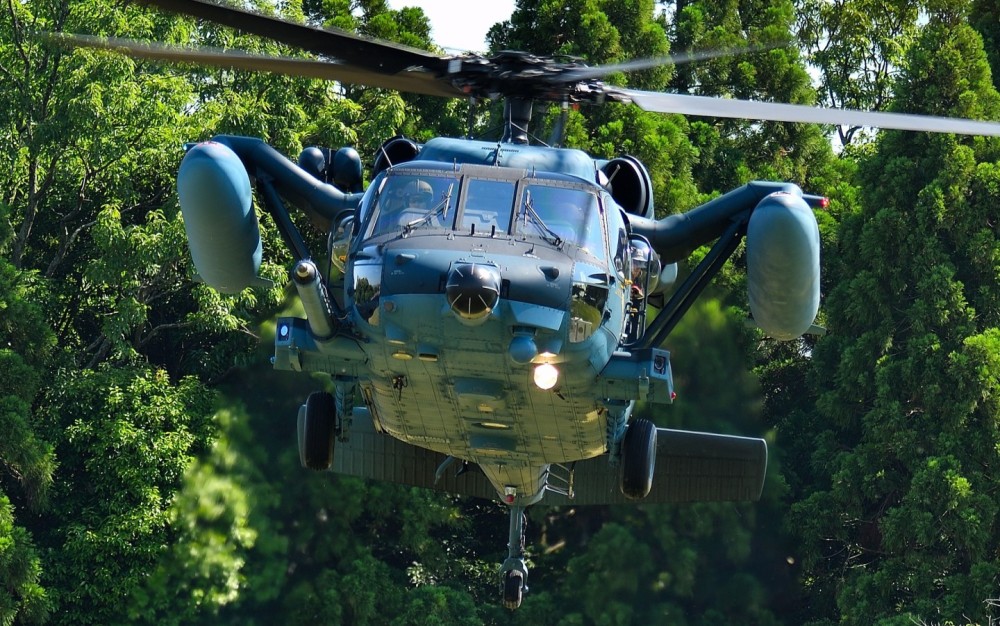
(514, 571)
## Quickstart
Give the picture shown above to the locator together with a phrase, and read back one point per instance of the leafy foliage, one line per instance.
(127, 453)
(899, 515)
(23, 597)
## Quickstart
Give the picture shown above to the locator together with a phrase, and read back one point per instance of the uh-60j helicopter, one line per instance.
(487, 331)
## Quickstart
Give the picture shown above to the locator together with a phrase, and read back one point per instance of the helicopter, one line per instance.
(484, 316)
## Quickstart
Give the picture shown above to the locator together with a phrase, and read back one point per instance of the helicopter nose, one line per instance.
(473, 290)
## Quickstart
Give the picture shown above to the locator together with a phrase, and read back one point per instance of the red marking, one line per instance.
(509, 499)
(673, 396)
(824, 202)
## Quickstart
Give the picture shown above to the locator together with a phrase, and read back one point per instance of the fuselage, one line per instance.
(466, 302)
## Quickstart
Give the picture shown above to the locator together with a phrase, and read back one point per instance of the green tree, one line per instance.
(384, 114)
(856, 45)
(210, 520)
(257, 539)
(567, 28)
(26, 459)
(100, 416)
(896, 515)
(23, 598)
(732, 152)
(125, 436)
(984, 16)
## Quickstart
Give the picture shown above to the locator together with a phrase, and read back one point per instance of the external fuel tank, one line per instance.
(782, 247)
(214, 191)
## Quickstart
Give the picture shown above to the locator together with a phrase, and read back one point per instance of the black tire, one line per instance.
(320, 428)
(638, 459)
(513, 589)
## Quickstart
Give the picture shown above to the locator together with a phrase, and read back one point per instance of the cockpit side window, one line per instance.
(368, 202)
(407, 202)
(572, 215)
(592, 238)
(488, 205)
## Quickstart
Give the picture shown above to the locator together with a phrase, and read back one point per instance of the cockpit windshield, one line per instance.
(571, 216)
(558, 212)
(488, 205)
(409, 202)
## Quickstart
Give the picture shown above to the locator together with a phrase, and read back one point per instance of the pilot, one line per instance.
(405, 202)
(417, 196)
(640, 268)
(639, 261)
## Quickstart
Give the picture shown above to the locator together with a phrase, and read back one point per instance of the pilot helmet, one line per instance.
(645, 264)
(417, 193)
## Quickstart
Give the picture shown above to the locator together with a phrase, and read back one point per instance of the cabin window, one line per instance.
(410, 202)
(488, 205)
(572, 216)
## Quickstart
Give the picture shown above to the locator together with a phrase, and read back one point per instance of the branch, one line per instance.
(64, 249)
(158, 329)
(35, 193)
(66, 242)
(102, 351)
(16, 29)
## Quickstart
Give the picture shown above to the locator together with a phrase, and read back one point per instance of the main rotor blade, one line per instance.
(364, 53)
(751, 110)
(600, 71)
(413, 82)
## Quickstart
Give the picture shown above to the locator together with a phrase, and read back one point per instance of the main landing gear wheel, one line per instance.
(638, 459)
(317, 429)
(513, 589)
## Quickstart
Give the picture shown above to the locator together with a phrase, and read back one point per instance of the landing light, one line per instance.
(546, 376)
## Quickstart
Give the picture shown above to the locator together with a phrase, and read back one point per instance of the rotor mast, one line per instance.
(516, 119)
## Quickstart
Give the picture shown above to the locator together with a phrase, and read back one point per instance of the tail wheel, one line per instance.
(638, 459)
(513, 589)
(320, 426)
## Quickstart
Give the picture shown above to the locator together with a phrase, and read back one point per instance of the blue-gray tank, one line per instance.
(782, 246)
(214, 191)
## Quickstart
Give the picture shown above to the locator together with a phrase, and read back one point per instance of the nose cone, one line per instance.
(473, 290)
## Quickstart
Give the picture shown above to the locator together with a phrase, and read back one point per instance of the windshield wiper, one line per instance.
(440, 210)
(536, 220)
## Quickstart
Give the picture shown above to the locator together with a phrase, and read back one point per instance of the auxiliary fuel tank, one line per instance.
(222, 230)
(782, 247)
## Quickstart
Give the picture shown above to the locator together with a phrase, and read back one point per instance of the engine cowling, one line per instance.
(630, 185)
(223, 235)
(782, 246)
(393, 152)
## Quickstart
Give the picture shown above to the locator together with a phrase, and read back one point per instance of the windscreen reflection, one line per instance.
(571, 215)
(410, 202)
